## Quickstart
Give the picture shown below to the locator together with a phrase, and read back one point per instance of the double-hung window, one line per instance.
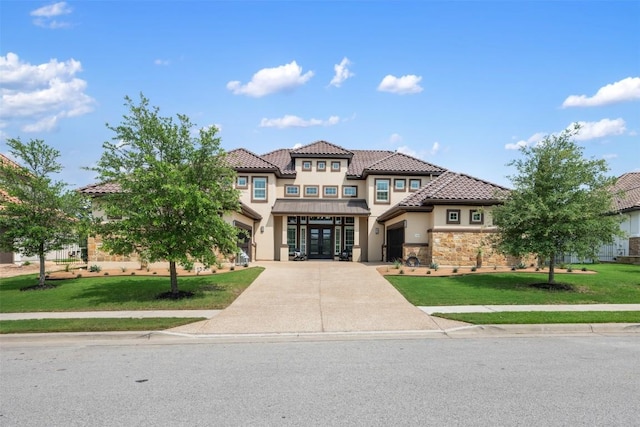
(382, 191)
(259, 189)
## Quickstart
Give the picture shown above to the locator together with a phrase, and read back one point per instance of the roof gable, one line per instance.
(282, 159)
(321, 149)
(458, 187)
(628, 185)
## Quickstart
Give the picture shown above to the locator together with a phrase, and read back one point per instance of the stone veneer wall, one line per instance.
(634, 246)
(96, 254)
(461, 249)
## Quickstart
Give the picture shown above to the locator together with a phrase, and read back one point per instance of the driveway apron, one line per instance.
(318, 296)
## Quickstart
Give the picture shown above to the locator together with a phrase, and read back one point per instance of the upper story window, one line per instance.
(242, 182)
(330, 191)
(311, 191)
(415, 184)
(349, 191)
(259, 193)
(476, 217)
(399, 185)
(335, 166)
(306, 165)
(292, 190)
(453, 216)
(382, 191)
(321, 166)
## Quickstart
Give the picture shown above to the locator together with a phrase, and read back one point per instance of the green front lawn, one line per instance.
(541, 317)
(613, 284)
(93, 325)
(214, 291)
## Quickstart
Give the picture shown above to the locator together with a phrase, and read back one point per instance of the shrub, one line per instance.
(95, 268)
(513, 268)
(155, 272)
(584, 269)
(474, 268)
(401, 271)
(537, 268)
(521, 266)
(233, 267)
(428, 271)
(123, 269)
(26, 263)
(434, 266)
(246, 264)
(78, 276)
(455, 269)
(67, 267)
(396, 264)
(106, 273)
(569, 269)
(133, 273)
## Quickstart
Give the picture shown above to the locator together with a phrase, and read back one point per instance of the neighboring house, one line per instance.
(376, 205)
(72, 252)
(627, 204)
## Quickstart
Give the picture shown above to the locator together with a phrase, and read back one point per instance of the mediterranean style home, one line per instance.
(324, 200)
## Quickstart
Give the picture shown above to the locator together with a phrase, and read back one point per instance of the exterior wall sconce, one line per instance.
(377, 230)
(262, 229)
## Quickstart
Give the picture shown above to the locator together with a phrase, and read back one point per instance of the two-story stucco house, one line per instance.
(376, 205)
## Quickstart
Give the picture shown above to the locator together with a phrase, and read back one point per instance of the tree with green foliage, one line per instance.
(37, 214)
(175, 187)
(561, 203)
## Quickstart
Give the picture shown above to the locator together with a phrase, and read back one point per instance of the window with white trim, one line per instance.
(292, 190)
(311, 191)
(476, 217)
(415, 184)
(382, 190)
(259, 189)
(330, 191)
(321, 166)
(349, 191)
(453, 216)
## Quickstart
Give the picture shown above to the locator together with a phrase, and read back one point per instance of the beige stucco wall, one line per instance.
(264, 241)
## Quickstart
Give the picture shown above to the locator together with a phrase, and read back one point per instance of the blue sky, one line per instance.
(459, 84)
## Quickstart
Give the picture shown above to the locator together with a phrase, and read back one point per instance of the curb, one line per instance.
(475, 331)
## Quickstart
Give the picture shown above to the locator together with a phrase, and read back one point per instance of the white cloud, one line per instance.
(602, 128)
(272, 80)
(395, 138)
(532, 140)
(45, 16)
(161, 62)
(37, 96)
(609, 156)
(435, 148)
(401, 85)
(342, 72)
(588, 130)
(298, 145)
(290, 121)
(624, 90)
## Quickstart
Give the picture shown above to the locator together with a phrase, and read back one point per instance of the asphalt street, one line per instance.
(550, 381)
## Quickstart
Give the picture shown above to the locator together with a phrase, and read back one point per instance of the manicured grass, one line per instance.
(93, 325)
(613, 284)
(214, 291)
(538, 317)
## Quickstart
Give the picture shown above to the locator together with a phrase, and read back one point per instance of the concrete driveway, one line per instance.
(318, 296)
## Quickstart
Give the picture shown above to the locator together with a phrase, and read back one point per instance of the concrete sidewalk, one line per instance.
(211, 313)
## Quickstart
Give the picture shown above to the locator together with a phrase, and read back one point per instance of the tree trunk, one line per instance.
(174, 277)
(41, 257)
(552, 264)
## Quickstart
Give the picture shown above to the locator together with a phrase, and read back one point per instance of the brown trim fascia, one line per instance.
(462, 229)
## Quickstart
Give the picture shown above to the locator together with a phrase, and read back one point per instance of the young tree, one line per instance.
(561, 202)
(174, 189)
(37, 214)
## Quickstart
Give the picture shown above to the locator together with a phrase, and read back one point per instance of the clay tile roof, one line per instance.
(321, 148)
(282, 159)
(400, 162)
(451, 186)
(363, 158)
(629, 185)
(104, 188)
(241, 158)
